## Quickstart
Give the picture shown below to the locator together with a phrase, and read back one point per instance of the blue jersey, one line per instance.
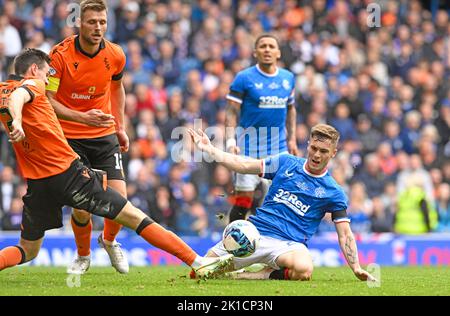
(297, 200)
(264, 101)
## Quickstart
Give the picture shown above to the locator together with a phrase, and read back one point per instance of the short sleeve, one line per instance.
(272, 165)
(237, 89)
(56, 64)
(291, 99)
(338, 204)
(34, 87)
(121, 61)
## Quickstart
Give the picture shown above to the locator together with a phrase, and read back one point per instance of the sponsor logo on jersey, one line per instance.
(77, 96)
(291, 201)
(274, 86)
(272, 102)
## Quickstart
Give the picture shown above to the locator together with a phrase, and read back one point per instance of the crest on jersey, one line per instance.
(51, 71)
(319, 192)
(259, 85)
(91, 90)
(286, 85)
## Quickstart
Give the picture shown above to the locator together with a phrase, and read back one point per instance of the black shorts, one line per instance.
(79, 187)
(100, 153)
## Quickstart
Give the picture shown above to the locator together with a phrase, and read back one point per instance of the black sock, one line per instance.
(238, 212)
(278, 274)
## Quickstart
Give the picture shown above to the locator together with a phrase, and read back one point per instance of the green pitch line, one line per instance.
(169, 281)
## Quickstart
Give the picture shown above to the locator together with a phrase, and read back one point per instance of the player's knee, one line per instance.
(130, 216)
(80, 216)
(302, 272)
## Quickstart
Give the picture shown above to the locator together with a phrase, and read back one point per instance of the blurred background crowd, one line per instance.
(385, 88)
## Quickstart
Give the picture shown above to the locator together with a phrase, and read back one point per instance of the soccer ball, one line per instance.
(241, 238)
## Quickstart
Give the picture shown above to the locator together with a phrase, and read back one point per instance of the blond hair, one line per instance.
(325, 131)
(95, 5)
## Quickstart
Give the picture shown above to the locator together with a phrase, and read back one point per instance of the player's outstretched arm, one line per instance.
(92, 117)
(17, 99)
(348, 246)
(235, 163)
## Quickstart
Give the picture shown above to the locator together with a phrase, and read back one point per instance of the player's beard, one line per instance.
(89, 40)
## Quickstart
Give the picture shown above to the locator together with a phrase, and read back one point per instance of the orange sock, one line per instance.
(111, 230)
(82, 237)
(164, 239)
(11, 256)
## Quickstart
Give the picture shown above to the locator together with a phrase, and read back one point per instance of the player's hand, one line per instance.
(292, 147)
(17, 135)
(200, 139)
(98, 118)
(363, 275)
(124, 141)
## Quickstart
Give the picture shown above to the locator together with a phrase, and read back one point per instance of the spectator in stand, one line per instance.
(415, 213)
(381, 218)
(443, 207)
(371, 175)
(359, 208)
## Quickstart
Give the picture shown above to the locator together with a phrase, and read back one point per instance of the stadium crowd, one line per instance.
(385, 88)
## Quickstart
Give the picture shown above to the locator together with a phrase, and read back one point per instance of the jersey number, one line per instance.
(118, 161)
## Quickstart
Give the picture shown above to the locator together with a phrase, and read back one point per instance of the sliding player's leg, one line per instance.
(88, 191)
(295, 265)
(273, 259)
(166, 240)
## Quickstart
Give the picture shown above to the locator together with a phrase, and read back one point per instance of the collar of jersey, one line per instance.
(266, 74)
(314, 175)
(78, 47)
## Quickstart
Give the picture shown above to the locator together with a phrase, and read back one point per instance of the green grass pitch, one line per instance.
(173, 281)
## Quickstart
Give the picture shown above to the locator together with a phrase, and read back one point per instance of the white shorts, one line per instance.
(249, 182)
(267, 252)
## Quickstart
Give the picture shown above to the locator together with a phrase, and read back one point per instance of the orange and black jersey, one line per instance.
(44, 152)
(82, 82)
